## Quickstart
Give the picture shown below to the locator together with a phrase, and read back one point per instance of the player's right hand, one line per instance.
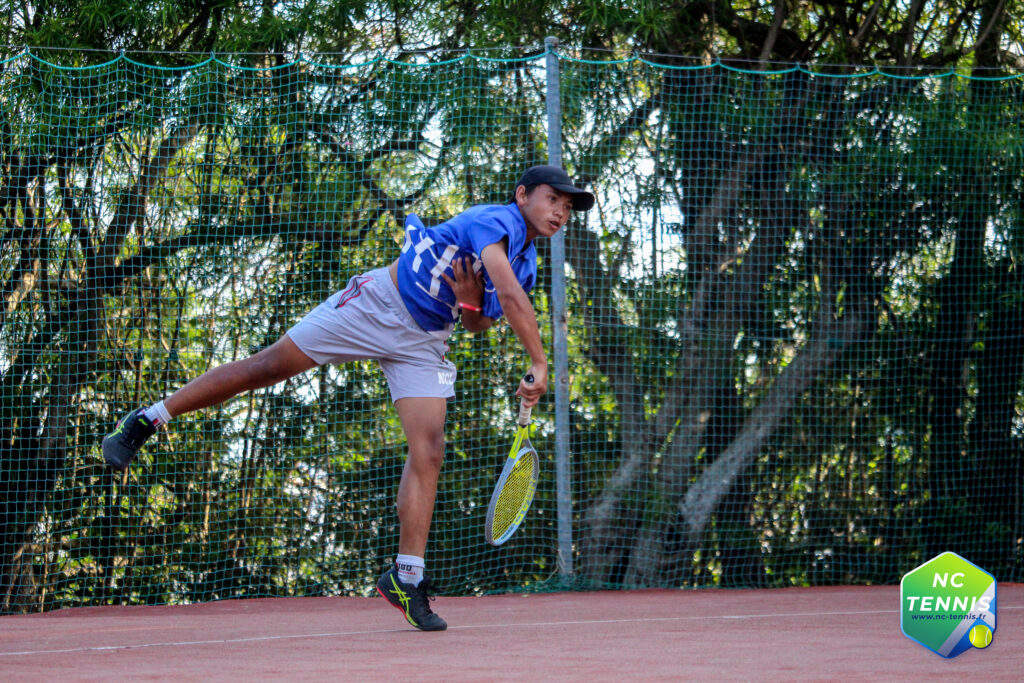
(531, 392)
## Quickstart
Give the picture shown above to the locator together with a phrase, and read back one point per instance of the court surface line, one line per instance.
(335, 634)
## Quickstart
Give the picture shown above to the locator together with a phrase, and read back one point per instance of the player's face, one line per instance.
(545, 209)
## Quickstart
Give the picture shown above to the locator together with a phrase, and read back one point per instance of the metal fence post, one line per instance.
(560, 325)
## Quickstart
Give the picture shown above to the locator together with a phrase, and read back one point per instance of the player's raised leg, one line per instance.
(405, 585)
(276, 363)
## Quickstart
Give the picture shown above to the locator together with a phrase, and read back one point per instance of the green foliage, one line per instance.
(794, 313)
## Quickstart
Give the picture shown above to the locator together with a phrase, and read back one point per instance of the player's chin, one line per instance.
(545, 229)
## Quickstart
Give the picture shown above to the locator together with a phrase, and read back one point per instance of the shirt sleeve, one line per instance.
(492, 225)
(413, 221)
(487, 225)
(525, 268)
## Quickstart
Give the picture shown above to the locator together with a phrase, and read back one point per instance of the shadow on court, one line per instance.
(795, 633)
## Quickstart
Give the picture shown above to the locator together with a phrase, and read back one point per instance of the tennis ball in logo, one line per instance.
(943, 600)
(980, 636)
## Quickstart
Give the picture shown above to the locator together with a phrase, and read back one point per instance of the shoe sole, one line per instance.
(404, 615)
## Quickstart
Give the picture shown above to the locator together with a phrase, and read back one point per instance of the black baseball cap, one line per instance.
(558, 179)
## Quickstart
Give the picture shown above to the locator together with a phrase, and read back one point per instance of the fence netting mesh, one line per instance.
(795, 321)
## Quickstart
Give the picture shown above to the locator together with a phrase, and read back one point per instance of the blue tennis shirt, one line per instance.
(429, 252)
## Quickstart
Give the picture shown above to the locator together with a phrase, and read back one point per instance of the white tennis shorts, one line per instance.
(368, 321)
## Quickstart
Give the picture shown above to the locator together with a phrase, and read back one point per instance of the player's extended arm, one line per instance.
(519, 311)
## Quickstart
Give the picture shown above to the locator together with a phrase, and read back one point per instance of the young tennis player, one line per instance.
(475, 267)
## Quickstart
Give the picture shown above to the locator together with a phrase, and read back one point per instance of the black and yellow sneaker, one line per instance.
(413, 601)
(121, 445)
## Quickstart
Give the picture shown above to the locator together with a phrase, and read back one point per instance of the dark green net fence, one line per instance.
(794, 324)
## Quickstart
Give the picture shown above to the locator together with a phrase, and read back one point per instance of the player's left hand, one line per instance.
(467, 285)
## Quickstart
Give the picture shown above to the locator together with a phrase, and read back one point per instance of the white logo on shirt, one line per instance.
(445, 377)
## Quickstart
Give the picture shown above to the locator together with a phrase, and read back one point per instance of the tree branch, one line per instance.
(133, 202)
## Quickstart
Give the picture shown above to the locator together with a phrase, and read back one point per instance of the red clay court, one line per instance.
(848, 633)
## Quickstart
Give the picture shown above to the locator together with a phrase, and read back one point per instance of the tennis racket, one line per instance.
(517, 484)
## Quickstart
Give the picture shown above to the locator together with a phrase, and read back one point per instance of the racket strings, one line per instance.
(512, 496)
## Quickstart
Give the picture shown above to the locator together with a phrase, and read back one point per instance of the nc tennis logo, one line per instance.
(948, 605)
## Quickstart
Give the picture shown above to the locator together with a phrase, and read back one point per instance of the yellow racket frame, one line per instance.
(512, 495)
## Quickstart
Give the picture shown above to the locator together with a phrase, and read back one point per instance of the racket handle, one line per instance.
(524, 410)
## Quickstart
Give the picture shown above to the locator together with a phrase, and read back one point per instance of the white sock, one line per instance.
(410, 569)
(157, 414)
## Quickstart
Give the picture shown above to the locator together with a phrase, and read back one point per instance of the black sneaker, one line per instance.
(413, 601)
(121, 445)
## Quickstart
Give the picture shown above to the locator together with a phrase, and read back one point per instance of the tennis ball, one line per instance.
(980, 636)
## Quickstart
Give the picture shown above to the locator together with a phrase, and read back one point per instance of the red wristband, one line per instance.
(470, 307)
